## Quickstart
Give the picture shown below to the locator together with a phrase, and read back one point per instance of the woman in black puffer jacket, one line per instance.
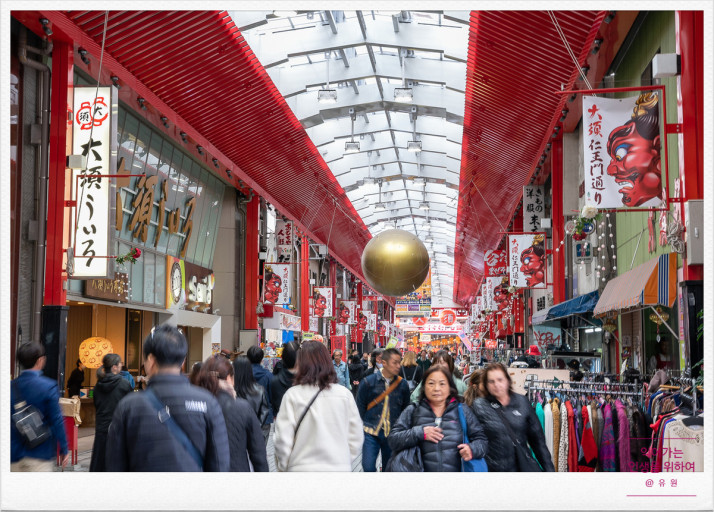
(520, 416)
(433, 424)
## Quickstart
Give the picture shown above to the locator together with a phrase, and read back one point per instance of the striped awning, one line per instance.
(652, 283)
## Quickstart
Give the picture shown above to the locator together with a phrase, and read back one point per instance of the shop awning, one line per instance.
(583, 304)
(540, 316)
(650, 284)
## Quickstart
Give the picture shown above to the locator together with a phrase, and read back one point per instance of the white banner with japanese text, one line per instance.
(323, 301)
(284, 239)
(533, 207)
(277, 283)
(527, 262)
(621, 151)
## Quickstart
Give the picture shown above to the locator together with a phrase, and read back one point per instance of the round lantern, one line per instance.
(395, 262)
(92, 351)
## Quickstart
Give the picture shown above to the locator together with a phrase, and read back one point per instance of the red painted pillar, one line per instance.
(690, 112)
(358, 331)
(60, 144)
(251, 262)
(558, 278)
(305, 283)
(333, 283)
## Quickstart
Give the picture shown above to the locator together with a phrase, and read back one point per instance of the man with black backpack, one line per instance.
(172, 425)
(37, 420)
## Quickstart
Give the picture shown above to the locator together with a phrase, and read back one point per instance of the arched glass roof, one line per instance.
(392, 133)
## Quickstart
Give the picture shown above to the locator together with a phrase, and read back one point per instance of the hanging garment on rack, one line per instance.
(683, 447)
(592, 411)
(656, 446)
(639, 437)
(666, 419)
(563, 450)
(607, 447)
(555, 406)
(623, 437)
(548, 428)
(540, 415)
(572, 439)
(587, 457)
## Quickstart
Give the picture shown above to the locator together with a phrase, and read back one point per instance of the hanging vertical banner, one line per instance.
(475, 309)
(533, 207)
(526, 256)
(484, 296)
(314, 323)
(93, 137)
(347, 312)
(277, 282)
(284, 239)
(501, 297)
(371, 322)
(491, 284)
(323, 301)
(495, 263)
(621, 151)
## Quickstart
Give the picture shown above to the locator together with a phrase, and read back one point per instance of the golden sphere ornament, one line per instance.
(395, 262)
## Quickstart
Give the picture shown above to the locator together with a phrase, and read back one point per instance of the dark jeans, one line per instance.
(370, 449)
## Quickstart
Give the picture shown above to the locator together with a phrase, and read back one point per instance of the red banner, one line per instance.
(495, 263)
(339, 342)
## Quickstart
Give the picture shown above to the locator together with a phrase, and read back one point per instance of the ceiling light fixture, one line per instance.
(352, 146)
(327, 95)
(379, 207)
(414, 146)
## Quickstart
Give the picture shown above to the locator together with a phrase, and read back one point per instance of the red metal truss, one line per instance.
(197, 70)
(516, 63)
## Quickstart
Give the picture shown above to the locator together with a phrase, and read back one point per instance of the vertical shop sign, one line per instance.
(621, 148)
(93, 137)
(533, 207)
(495, 263)
(277, 283)
(284, 235)
(527, 263)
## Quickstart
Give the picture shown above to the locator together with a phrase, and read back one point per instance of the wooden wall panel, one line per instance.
(79, 328)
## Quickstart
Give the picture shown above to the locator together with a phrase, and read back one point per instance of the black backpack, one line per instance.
(412, 385)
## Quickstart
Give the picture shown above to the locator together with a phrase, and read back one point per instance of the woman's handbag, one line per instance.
(406, 460)
(473, 465)
(524, 460)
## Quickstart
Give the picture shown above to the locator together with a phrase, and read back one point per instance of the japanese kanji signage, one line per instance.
(495, 263)
(526, 260)
(621, 148)
(491, 284)
(371, 321)
(533, 207)
(93, 136)
(284, 236)
(277, 283)
(116, 289)
(323, 301)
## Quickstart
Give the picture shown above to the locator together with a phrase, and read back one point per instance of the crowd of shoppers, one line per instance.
(412, 413)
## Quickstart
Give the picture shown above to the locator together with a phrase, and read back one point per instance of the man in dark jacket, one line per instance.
(138, 438)
(74, 383)
(356, 373)
(283, 380)
(423, 361)
(379, 411)
(264, 378)
(41, 392)
(109, 389)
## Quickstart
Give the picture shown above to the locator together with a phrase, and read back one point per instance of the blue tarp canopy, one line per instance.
(583, 304)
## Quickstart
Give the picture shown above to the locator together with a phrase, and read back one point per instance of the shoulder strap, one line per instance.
(302, 416)
(384, 393)
(499, 409)
(174, 428)
(464, 429)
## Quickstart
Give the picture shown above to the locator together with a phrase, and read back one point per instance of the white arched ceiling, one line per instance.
(368, 54)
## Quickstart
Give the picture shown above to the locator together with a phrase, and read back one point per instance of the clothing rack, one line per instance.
(590, 388)
(683, 383)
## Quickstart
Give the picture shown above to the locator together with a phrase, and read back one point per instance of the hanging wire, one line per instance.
(568, 48)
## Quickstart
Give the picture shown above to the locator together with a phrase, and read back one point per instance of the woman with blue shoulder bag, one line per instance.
(437, 432)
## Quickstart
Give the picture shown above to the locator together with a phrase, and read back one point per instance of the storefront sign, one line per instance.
(188, 286)
(415, 302)
(526, 254)
(284, 236)
(533, 207)
(495, 263)
(277, 283)
(323, 301)
(582, 251)
(93, 137)
(621, 150)
(116, 289)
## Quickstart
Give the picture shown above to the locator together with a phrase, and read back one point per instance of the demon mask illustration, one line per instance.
(273, 286)
(343, 315)
(362, 321)
(533, 262)
(320, 304)
(500, 295)
(635, 152)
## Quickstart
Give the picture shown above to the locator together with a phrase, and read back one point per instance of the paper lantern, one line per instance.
(92, 350)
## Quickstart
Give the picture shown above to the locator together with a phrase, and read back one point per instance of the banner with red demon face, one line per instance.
(323, 301)
(526, 260)
(347, 312)
(277, 281)
(621, 143)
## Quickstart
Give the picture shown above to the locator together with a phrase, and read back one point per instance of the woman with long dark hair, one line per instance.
(245, 438)
(318, 427)
(434, 425)
(109, 389)
(510, 424)
(247, 388)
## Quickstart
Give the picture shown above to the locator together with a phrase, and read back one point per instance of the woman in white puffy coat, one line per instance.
(330, 436)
